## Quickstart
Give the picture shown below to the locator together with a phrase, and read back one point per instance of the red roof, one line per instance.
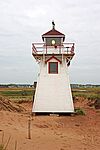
(53, 32)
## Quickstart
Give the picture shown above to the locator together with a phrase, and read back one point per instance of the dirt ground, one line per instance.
(51, 132)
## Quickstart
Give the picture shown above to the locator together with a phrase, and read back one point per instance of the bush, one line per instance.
(97, 104)
(79, 111)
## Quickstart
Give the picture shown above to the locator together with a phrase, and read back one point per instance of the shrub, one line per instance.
(79, 111)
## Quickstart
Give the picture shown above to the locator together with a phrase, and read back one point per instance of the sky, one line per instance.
(22, 22)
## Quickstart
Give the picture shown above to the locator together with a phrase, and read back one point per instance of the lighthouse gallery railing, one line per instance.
(41, 48)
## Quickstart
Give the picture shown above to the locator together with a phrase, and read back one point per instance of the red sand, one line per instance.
(51, 132)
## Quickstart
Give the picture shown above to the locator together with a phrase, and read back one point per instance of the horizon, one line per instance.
(36, 81)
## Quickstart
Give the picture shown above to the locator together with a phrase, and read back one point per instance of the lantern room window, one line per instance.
(53, 42)
(53, 67)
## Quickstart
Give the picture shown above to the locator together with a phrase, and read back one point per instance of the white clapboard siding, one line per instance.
(53, 92)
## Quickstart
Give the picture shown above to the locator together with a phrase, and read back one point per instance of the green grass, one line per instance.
(22, 94)
(79, 111)
(89, 93)
(18, 94)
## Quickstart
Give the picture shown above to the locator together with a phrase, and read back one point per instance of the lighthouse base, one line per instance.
(53, 92)
(52, 114)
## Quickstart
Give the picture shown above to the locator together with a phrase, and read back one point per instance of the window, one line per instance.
(53, 67)
(53, 42)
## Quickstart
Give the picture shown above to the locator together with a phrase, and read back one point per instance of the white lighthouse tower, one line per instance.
(53, 92)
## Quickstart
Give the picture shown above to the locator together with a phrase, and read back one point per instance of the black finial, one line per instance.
(53, 25)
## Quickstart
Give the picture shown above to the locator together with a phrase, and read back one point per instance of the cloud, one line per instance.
(23, 22)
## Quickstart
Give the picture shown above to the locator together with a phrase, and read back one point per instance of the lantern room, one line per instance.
(53, 37)
(53, 44)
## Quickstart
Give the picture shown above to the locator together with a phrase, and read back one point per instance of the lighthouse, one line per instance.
(53, 91)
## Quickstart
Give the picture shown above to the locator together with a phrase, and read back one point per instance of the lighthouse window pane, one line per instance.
(53, 67)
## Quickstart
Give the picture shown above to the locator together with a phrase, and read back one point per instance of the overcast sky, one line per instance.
(24, 21)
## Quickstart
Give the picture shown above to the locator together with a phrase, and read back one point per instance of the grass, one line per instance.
(26, 94)
(18, 94)
(89, 93)
(79, 111)
(2, 145)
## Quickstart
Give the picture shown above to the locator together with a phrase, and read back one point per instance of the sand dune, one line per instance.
(51, 132)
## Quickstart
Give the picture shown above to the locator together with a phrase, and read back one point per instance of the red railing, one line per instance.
(41, 48)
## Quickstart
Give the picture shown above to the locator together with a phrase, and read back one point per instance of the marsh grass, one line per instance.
(3, 146)
(18, 95)
(89, 93)
(26, 94)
